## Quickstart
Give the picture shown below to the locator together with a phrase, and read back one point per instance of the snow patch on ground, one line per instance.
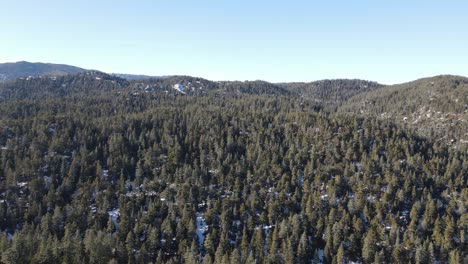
(10, 235)
(201, 228)
(114, 214)
(320, 255)
(357, 165)
(179, 87)
(22, 184)
(105, 174)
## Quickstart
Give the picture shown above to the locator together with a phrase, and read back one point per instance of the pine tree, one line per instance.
(369, 246)
(449, 233)
(208, 244)
(340, 256)
(130, 246)
(303, 249)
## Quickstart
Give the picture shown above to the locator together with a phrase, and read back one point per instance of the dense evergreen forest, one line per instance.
(433, 107)
(98, 169)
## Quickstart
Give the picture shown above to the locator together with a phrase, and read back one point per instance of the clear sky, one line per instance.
(385, 41)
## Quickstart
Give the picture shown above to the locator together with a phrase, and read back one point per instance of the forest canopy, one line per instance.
(98, 169)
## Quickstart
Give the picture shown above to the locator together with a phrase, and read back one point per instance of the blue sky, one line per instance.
(386, 41)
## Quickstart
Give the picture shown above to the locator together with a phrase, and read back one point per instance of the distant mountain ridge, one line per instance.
(325, 92)
(13, 70)
(22, 69)
(86, 83)
(135, 76)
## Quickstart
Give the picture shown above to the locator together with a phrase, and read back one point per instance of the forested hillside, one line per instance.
(330, 94)
(98, 169)
(85, 84)
(434, 107)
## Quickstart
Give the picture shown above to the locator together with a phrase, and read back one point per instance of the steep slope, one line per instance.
(330, 94)
(11, 71)
(436, 106)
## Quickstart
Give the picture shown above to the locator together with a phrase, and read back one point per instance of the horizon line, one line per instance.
(231, 80)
